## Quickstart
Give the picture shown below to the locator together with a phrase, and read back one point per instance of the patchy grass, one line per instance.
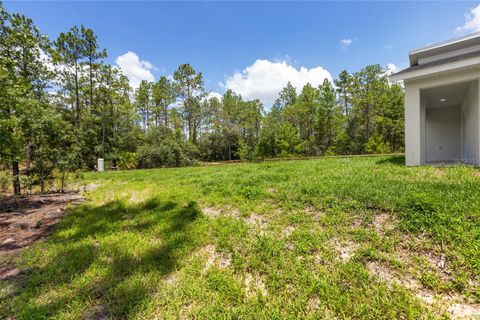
(346, 238)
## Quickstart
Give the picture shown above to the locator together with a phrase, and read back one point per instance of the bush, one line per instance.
(162, 149)
(4, 180)
(127, 160)
(27, 183)
(248, 151)
(376, 145)
(219, 146)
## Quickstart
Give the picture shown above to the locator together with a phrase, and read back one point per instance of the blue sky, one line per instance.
(255, 47)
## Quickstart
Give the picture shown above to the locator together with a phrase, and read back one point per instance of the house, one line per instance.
(442, 102)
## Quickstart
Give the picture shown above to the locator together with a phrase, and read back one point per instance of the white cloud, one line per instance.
(391, 69)
(135, 69)
(472, 21)
(214, 94)
(345, 43)
(46, 60)
(264, 79)
(149, 65)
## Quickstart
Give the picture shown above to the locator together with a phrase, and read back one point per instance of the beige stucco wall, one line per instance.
(415, 113)
(413, 132)
(470, 112)
(442, 134)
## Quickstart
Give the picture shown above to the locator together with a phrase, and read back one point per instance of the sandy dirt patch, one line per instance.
(214, 258)
(254, 284)
(28, 219)
(453, 304)
(344, 249)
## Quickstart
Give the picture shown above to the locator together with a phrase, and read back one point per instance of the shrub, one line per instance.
(162, 149)
(27, 183)
(3, 180)
(127, 160)
(376, 145)
(219, 146)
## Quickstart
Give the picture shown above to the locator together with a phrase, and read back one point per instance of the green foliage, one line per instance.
(163, 95)
(364, 112)
(219, 147)
(127, 160)
(376, 145)
(161, 149)
(189, 87)
(4, 180)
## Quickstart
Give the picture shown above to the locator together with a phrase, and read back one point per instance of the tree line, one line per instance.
(62, 107)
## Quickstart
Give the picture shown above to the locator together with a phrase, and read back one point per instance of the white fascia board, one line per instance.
(446, 43)
(433, 70)
(444, 46)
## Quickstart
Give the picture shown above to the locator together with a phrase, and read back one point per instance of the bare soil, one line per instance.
(28, 219)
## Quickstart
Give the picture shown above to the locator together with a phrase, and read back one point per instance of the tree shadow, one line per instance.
(394, 160)
(120, 288)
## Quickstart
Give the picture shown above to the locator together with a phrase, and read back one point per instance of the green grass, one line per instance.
(291, 239)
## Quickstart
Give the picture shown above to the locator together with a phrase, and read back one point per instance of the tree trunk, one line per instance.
(77, 97)
(63, 180)
(91, 80)
(103, 135)
(27, 159)
(165, 115)
(16, 178)
(194, 134)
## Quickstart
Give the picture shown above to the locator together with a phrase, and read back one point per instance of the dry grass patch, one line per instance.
(186, 312)
(454, 305)
(393, 277)
(345, 249)
(313, 304)
(96, 312)
(254, 284)
(257, 221)
(214, 258)
(137, 197)
(314, 213)
(211, 212)
(288, 231)
(271, 190)
(170, 278)
(383, 222)
(214, 212)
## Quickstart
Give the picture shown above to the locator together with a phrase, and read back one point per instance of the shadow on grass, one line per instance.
(395, 160)
(104, 259)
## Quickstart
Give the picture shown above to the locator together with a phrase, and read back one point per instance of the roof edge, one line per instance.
(414, 72)
(445, 43)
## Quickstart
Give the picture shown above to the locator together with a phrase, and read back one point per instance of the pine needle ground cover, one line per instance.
(327, 238)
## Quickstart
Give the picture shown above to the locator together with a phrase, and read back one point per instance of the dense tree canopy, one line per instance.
(62, 107)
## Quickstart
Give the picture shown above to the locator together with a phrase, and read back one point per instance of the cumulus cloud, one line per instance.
(214, 94)
(472, 21)
(391, 69)
(345, 43)
(264, 79)
(135, 69)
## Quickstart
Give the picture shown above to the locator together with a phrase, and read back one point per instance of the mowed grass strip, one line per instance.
(345, 238)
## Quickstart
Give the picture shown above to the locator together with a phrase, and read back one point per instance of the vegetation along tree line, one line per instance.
(62, 107)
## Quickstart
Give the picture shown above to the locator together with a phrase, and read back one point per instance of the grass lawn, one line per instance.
(327, 238)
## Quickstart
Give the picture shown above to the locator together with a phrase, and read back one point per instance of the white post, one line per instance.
(476, 105)
(100, 165)
(413, 126)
